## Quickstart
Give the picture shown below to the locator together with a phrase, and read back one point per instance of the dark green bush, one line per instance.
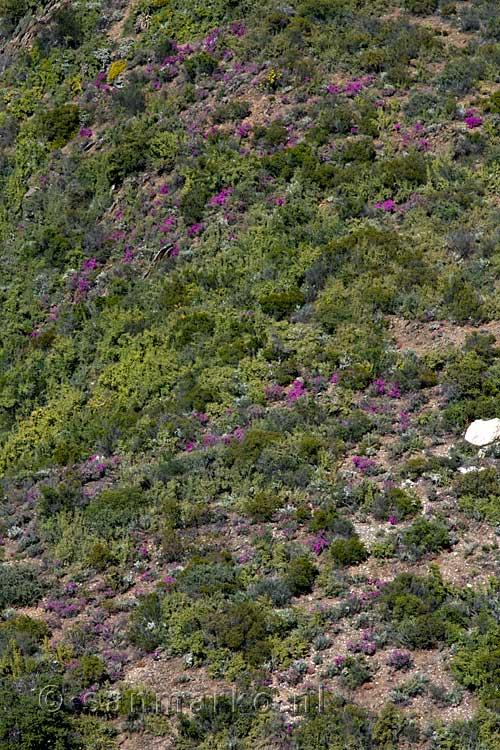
(421, 7)
(233, 110)
(200, 64)
(205, 577)
(395, 502)
(335, 726)
(24, 631)
(478, 493)
(114, 510)
(425, 536)
(243, 626)
(281, 304)
(262, 506)
(145, 629)
(300, 575)
(20, 585)
(350, 551)
(59, 125)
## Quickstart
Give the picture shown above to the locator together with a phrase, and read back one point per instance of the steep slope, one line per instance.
(249, 305)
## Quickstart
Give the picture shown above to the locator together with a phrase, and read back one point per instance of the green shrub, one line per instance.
(335, 726)
(11, 11)
(20, 585)
(395, 502)
(100, 556)
(421, 7)
(59, 125)
(145, 627)
(478, 494)
(24, 631)
(115, 510)
(392, 729)
(200, 64)
(262, 506)
(204, 577)
(425, 536)
(233, 110)
(243, 627)
(477, 664)
(281, 304)
(300, 575)
(354, 672)
(350, 551)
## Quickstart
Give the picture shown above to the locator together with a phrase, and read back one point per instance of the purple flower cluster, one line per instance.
(400, 660)
(352, 88)
(194, 229)
(319, 544)
(100, 82)
(388, 205)
(363, 464)
(472, 120)
(383, 388)
(296, 390)
(63, 608)
(363, 646)
(128, 255)
(274, 392)
(221, 198)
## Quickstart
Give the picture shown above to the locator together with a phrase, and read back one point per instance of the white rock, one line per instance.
(483, 431)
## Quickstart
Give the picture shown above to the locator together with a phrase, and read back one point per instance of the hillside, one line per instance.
(249, 304)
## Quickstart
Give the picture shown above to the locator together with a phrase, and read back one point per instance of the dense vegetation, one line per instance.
(249, 303)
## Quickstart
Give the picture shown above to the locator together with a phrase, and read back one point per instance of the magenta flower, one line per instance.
(128, 255)
(319, 544)
(397, 126)
(363, 464)
(201, 417)
(274, 392)
(394, 391)
(380, 386)
(194, 229)
(221, 198)
(334, 378)
(387, 205)
(190, 446)
(297, 389)
(164, 190)
(238, 29)
(167, 224)
(89, 265)
(472, 120)
(404, 421)
(243, 130)
(209, 439)
(85, 133)
(392, 520)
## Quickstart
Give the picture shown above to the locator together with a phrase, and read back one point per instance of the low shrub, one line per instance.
(425, 536)
(20, 585)
(300, 575)
(350, 551)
